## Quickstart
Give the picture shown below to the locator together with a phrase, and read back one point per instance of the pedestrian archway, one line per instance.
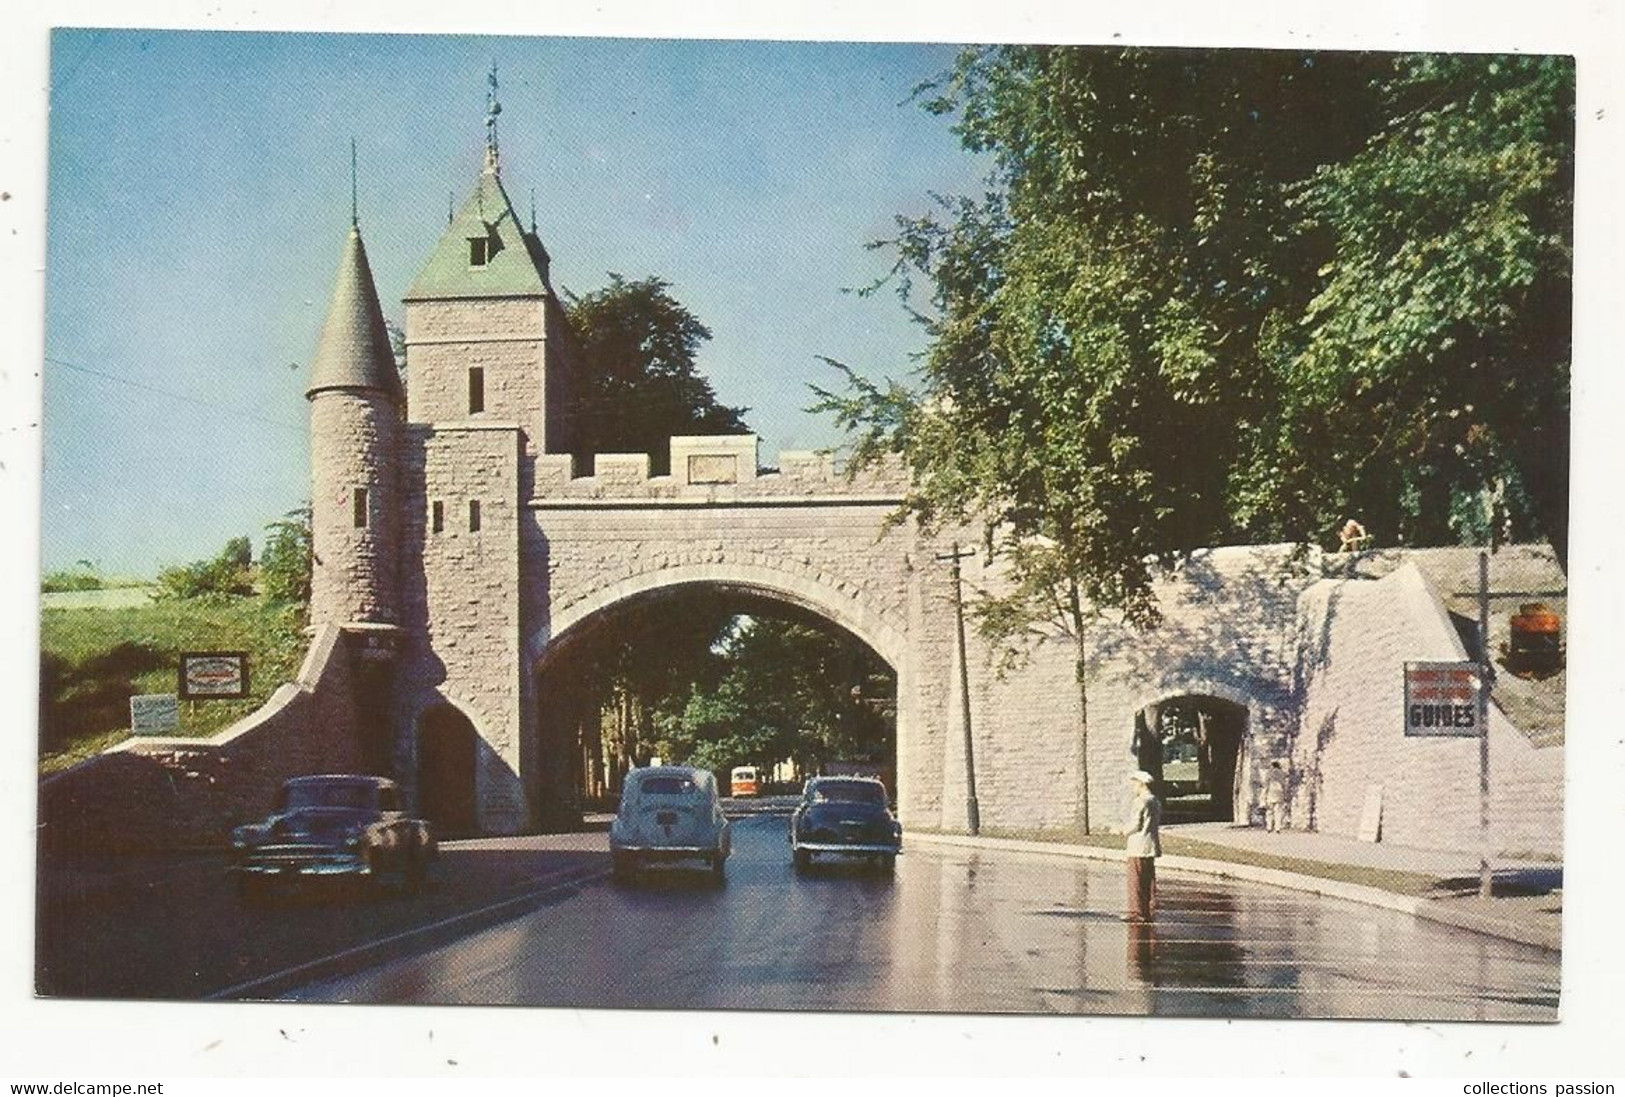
(1191, 744)
(447, 750)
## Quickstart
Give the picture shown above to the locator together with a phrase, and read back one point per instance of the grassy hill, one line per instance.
(93, 659)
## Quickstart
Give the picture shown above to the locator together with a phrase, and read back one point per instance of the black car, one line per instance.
(334, 825)
(845, 816)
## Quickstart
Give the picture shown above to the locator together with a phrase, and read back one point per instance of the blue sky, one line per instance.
(200, 192)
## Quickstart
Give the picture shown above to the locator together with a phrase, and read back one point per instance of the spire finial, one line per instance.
(492, 109)
(450, 198)
(533, 211)
(355, 215)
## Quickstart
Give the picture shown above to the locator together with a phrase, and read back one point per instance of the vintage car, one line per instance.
(845, 816)
(342, 825)
(668, 813)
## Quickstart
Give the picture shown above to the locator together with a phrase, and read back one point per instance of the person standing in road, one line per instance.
(1275, 798)
(1143, 847)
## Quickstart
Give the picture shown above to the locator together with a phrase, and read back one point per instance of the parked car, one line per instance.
(845, 816)
(669, 813)
(744, 781)
(344, 825)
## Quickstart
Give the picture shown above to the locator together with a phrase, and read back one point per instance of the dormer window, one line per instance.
(482, 249)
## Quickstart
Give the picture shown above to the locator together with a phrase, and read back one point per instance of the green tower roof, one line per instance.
(354, 351)
(484, 252)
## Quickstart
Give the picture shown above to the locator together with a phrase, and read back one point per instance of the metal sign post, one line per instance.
(973, 816)
(1486, 676)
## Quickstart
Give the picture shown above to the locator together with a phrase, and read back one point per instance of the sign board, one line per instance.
(214, 674)
(154, 713)
(1441, 699)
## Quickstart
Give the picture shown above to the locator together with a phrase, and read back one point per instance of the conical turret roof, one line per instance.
(515, 265)
(354, 352)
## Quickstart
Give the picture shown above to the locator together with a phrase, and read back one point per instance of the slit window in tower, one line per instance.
(437, 516)
(479, 251)
(473, 516)
(476, 390)
(358, 501)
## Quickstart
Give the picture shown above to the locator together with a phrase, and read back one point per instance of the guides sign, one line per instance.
(206, 674)
(1441, 699)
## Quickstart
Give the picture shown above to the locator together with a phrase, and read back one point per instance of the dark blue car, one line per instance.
(845, 817)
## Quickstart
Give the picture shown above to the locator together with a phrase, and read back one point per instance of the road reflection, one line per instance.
(966, 931)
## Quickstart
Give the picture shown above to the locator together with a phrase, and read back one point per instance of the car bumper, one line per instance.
(305, 864)
(847, 847)
(667, 853)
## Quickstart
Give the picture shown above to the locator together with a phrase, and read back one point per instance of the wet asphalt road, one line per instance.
(964, 931)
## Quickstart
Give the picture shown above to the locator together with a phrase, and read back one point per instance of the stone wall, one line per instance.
(718, 468)
(484, 610)
(154, 793)
(1226, 631)
(507, 338)
(461, 604)
(836, 558)
(1357, 636)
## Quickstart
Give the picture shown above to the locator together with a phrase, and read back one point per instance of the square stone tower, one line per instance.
(489, 371)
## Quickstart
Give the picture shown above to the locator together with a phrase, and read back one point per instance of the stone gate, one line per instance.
(463, 540)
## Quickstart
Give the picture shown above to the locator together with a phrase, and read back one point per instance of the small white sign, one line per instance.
(153, 713)
(1371, 816)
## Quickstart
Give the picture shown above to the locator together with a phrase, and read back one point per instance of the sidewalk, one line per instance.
(1439, 885)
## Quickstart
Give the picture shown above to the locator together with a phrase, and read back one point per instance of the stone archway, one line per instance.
(839, 603)
(753, 591)
(1195, 744)
(447, 767)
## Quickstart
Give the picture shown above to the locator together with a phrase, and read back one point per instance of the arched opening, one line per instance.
(710, 673)
(447, 750)
(1192, 745)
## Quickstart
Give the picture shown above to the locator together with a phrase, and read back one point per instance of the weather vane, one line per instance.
(492, 109)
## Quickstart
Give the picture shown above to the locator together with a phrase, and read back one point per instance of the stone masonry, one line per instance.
(506, 548)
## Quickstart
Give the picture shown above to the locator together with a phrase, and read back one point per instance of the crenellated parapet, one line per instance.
(721, 467)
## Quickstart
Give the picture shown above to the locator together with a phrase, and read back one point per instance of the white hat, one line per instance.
(1142, 777)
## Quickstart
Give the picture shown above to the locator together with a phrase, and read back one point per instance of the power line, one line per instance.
(182, 397)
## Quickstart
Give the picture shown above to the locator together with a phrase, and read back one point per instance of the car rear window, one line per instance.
(333, 795)
(848, 792)
(667, 786)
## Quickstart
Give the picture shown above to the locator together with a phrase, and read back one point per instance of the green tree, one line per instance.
(228, 575)
(1122, 357)
(639, 380)
(1433, 362)
(783, 689)
(285, 558)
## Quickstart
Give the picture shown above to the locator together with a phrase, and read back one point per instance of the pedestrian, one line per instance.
(1143, 847)
(1275, 798)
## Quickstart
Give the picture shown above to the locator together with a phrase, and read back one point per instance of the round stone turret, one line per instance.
(355, 420)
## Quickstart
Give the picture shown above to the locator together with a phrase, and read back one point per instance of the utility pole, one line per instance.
(973, 817)
(1486, 678)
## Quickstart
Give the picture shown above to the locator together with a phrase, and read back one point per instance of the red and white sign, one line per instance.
(1441, 699)
(214, 674)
